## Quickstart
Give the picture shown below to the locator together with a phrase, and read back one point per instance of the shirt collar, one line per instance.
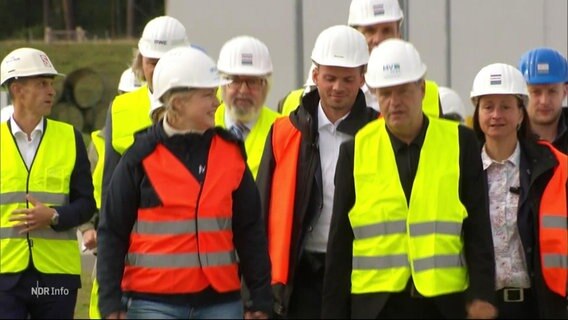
(418, 141)
(17, 130)
(323, 121)
(514, 158)
(171, 131)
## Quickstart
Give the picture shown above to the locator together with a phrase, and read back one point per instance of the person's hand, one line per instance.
(117, 315)
(33, 218)
(479, 309)
(90, 239)
(255, 315)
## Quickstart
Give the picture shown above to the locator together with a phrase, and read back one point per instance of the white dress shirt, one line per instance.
(329, 142)
(27, 145)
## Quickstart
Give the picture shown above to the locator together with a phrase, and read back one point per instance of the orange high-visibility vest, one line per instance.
(186, 244)
(286, 147)
(553, 225)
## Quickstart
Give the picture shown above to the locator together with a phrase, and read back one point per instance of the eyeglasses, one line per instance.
(253, 84)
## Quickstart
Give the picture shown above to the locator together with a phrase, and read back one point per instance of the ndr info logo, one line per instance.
(48, 291)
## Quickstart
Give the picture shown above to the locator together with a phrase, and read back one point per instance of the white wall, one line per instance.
(456, 38)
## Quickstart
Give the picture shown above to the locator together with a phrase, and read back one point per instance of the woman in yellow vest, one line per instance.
(410, 234)
(45, 190)
(527, 183)
(182, 206)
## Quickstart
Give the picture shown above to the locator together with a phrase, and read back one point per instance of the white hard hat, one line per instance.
(245, 55)
(26, 62)
(368, 12)
(185, 67)
(310, 79)
(160, 35)
(155, 104)
(451, 102)
(340, 46)
(499, 78)
(394, 62)
(128, 81)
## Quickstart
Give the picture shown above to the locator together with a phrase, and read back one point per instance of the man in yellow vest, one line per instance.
(293, 99)
(379, 20)
(295, 179)
(45, 190)
(246, 61)
(96, 151)
(410, 234)
(129, 112)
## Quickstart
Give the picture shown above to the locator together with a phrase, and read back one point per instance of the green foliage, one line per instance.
(102, 19)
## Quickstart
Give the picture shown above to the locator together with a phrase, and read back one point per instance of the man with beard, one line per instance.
(246, 61)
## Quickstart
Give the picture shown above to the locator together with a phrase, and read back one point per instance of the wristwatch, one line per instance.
(55, 218)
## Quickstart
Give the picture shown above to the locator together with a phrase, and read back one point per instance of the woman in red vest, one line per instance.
(527, 199)
(181, 222)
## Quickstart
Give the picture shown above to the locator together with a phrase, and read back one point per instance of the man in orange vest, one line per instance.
(297, 170)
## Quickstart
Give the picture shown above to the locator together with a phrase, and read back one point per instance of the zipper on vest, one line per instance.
(197, 217)
(31, 241)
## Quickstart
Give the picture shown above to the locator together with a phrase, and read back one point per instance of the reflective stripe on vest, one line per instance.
(255, 140)
(553, 233)
(130, 113)
(422, 239)
(286, 147)
(431, 101)
(186, 244)
(48, 180)
(292, 101)
(99, 143)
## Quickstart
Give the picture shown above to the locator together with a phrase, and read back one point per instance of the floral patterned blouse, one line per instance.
(510, 264)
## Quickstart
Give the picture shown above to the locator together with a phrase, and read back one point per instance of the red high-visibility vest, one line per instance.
(286, 147)
(553, 226)
(186, 244)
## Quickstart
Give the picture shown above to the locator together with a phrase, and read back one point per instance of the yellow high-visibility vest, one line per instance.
(292, 101)
(254, 142)
(47, 180)
(99, 143)
(393, 240)
(130, 113)
(431, 101)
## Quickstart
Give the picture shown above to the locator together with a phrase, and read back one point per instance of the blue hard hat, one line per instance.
(543, 66)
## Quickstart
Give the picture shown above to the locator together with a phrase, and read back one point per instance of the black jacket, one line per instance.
(536, 169)
(561, 140)
(309, 195)
(338, 302)
(130, 189)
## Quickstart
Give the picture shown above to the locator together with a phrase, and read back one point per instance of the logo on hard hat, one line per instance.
(12, 59)
(542, 68)
(45, 60)
(246, 59)
(162, 42)
(495, 79)
(378, 9)
(393, 68)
